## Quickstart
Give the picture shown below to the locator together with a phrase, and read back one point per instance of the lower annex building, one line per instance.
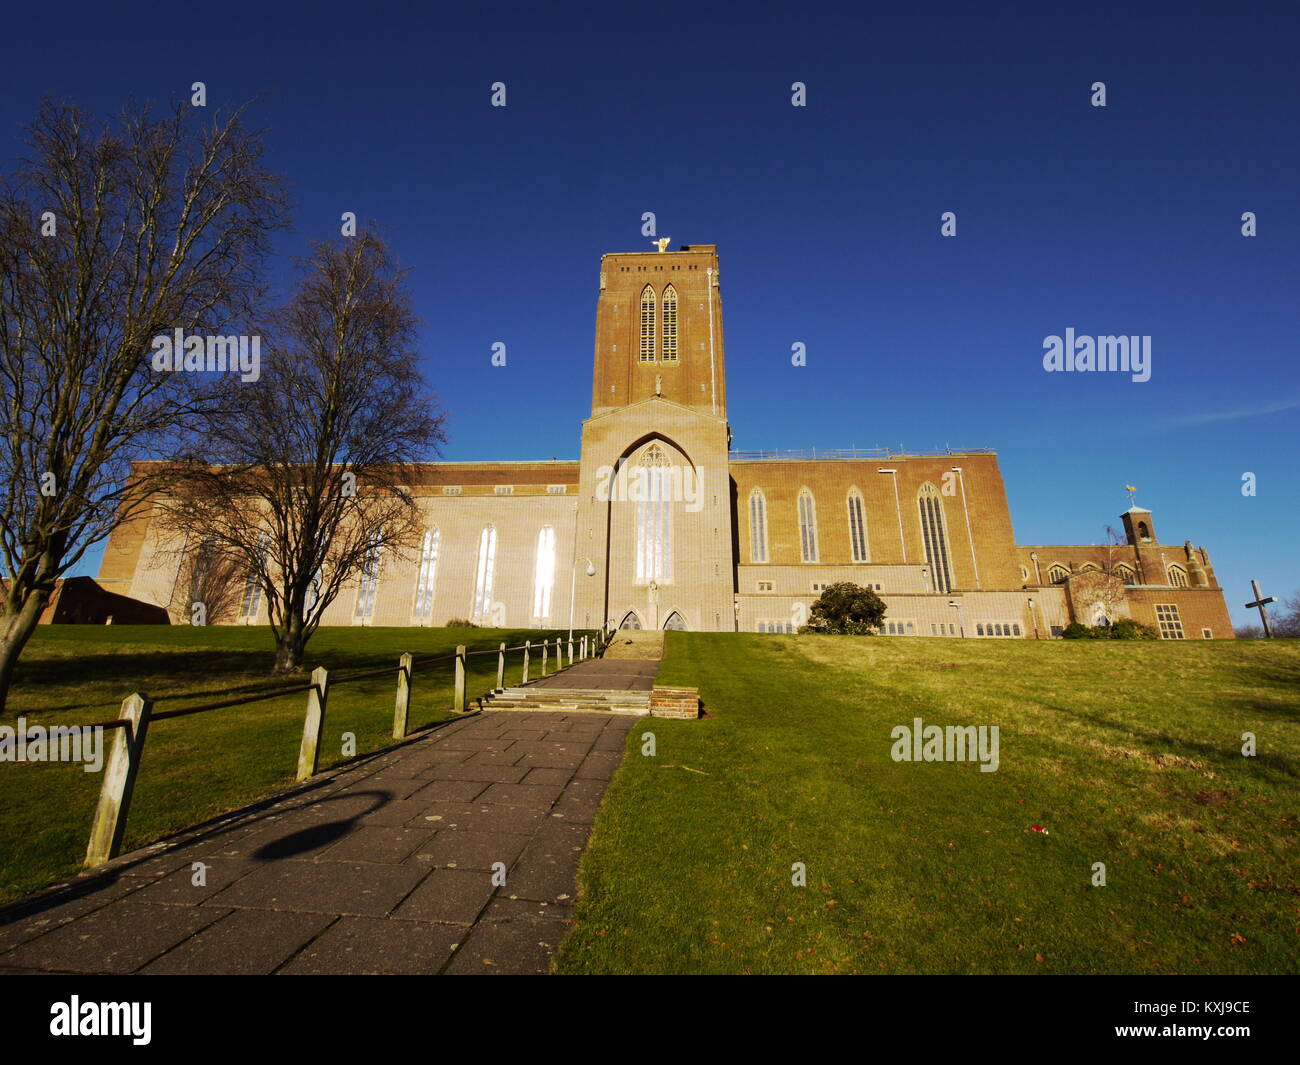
(659, 524)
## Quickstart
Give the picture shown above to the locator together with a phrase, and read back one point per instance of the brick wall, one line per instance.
(675, 702)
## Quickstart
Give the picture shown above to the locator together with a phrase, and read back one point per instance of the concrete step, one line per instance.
(569, 700)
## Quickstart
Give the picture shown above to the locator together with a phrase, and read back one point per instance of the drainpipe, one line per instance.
(713, 379)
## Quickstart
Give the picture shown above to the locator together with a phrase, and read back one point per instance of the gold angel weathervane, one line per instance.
(662, 243)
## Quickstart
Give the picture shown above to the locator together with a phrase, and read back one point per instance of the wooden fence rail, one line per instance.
(132, 725)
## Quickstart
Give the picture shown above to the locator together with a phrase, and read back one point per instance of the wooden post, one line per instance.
(501, 668)
(546, 651)
(527, 646)
(460, 679)
(570, 649)
(401, 713)
(313, 724)
(123, 765)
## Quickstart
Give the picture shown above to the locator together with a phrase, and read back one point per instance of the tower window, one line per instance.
(757, 526)
(857, 527)
(1125, 573)
(1058, 574)
(807, 526)
(647, 324)
(935, 536)
(1178, 576)
(670, 324)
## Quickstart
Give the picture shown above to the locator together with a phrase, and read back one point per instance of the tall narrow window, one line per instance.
(935, 536)
(654, 518)
(369, 583)
(757, 526)
(1178, 576)
(428, 574)
(544, 580)
(647, 324)
(857, 527)
(670, 324)
(253, 585)
(807, 526)
(483, 573)
(313, 594)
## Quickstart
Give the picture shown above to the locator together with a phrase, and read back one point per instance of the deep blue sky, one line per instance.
(1117, 220)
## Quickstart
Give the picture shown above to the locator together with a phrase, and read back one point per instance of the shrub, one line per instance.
(1128, 629)
(1124, 629)
(846, 609)
(460, 623)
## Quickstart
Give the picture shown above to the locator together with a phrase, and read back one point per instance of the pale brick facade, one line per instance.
(726, 541)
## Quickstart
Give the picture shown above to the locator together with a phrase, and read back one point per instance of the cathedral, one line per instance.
(659, 524)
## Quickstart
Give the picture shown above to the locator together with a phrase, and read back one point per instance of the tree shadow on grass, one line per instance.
(146, 672)
(298, 797)
(1277, 770)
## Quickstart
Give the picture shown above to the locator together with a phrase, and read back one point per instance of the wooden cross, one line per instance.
(1262, 603)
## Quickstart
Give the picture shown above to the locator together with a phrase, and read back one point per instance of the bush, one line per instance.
(460, 623)
(846, 609)
(1128, 629)
(1124, 629)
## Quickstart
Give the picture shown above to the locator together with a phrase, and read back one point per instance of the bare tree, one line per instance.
(1287, 622)
(111, 233)
(317, 492)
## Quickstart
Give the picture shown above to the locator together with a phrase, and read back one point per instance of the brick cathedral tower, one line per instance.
(658, 428)
(659, 330)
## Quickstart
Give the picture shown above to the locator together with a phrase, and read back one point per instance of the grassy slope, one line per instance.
(1129, 753)
(198, 767)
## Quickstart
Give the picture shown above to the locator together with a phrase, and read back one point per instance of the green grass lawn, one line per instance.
(197, 767)
(1127, 753)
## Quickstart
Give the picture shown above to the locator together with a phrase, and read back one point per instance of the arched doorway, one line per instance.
(675, 622)
(630, 621)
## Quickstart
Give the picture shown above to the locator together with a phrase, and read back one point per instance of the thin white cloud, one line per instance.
(1188, 421)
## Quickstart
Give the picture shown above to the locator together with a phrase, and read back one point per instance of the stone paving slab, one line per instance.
(384, 866)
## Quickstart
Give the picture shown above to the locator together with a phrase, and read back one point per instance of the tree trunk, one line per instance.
(293, 642)
(16, 629)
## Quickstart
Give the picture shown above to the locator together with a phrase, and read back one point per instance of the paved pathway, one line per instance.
(380, 867)
(602, 674)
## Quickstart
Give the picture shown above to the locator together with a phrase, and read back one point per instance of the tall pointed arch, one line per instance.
(647, 324)
(934, 534)
(807, 526)
(859, 546)
(668, 324)
(757, 526)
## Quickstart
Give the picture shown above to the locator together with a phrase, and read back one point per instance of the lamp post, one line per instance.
(573, 588)
(961, 627)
